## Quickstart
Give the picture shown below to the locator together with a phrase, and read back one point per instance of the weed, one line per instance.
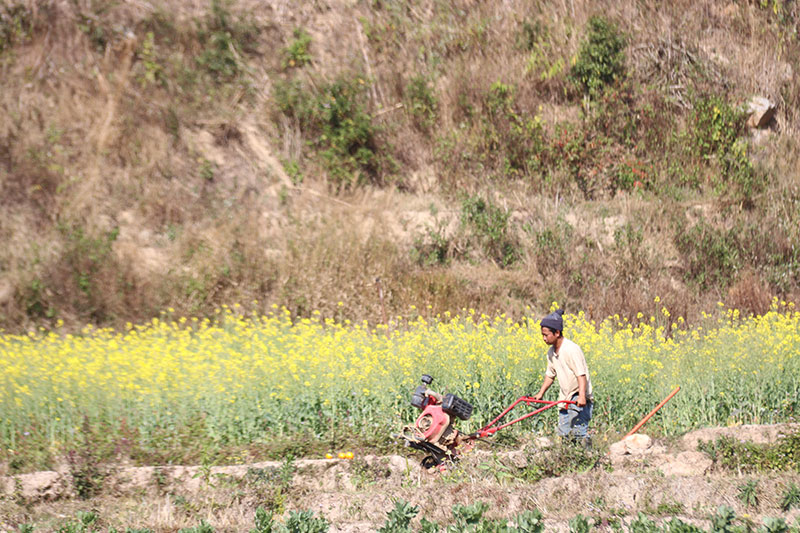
(224, 38)
(305, 522)
(336, 118)
(87, 477)
(563, 458)
(273, 484)
(748, 493)
(729, 453)
(263, 521)
(16, 25)
(552, 246)
(579, 524)
(489, 226)
(530, 33)
(775, 525)
(601, 58)
(398, 520)
(711, 255)
(297, 53)
(153, 71)
(676, 525)
(97, 34)
(642, 524)
(203, 527)
(791, 498)
(421, 102)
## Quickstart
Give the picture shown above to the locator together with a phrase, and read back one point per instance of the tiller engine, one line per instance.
(433, 431)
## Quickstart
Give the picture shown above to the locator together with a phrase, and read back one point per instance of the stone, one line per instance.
(637, 443)
(6, 292)
(762, 111)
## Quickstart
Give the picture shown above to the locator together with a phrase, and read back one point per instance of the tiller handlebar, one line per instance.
(489, 430)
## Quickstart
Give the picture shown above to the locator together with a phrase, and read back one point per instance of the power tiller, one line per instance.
(433, 432)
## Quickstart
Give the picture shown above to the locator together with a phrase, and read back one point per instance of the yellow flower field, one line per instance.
(254, 378)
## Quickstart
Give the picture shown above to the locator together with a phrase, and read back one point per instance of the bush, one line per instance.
(336, 118)
(297, 53)
(711, 255)
(601, 58)
(421, 102)
(489, 226)
(224, 39)
(16, 24)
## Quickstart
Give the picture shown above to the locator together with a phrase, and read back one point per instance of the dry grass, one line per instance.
(214, 196)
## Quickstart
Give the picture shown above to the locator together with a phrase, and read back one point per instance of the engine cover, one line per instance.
(432, 423)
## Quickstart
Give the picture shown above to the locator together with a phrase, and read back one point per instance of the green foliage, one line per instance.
(731, 454)
(16, 25)
(774, 525)
(722, 521)
(676, 525)
(530, 33)
(711, 255)
(263, 521)
(715, 125)
(791, 498)
(273, 484)
(153, 71)
(748, 493)
(563, 458)
(297, 53)
(421, 102)
(579, 524)
(305, 522)
(552, 246)
(642, 524)
(489, 226)
(203, 527)
(601, 57)
(224, 38)
(398, 520)
(336, 118)
(718, 132)
(516, 141)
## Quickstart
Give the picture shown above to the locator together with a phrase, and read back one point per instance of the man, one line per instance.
(565, 361)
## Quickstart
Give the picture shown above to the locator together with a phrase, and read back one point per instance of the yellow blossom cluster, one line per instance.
(251, 377)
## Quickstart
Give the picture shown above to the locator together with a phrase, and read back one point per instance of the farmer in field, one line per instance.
(565, 361)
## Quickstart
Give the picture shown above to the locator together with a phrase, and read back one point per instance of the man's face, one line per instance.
(549, 336)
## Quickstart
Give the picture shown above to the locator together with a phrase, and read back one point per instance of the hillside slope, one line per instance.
(358, 158)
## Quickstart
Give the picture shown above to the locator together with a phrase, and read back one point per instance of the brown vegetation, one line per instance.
(189, 155)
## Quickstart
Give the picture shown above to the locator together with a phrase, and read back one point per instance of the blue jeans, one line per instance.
(574, 422)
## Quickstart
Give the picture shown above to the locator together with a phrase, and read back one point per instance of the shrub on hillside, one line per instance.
(488, 225)
(601, 58)
(335, 116)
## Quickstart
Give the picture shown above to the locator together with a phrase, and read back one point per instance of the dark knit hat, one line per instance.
(553, 321)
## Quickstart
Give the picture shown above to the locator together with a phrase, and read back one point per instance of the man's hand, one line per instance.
(538, 396)
(581, 401)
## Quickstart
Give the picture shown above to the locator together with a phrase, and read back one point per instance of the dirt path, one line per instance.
(660, 479)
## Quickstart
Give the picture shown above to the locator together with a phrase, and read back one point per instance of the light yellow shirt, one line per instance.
(567, 365)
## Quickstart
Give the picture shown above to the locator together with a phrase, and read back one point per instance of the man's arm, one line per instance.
(581, 390)
(545, 385)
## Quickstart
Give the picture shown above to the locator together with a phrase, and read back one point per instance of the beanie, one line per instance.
(553, 321)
